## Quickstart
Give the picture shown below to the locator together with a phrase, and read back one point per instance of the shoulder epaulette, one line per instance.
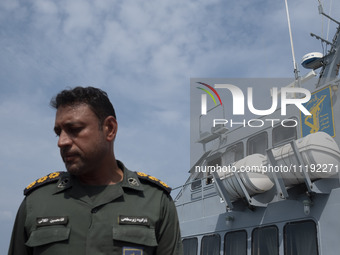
(52, 177)
(154, 180)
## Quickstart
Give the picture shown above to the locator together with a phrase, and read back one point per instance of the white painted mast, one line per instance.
(296, 71)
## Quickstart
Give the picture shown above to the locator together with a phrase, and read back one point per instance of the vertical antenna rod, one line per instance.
(324, 14)
(296, 72)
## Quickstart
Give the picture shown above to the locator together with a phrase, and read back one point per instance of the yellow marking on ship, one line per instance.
(315, 111)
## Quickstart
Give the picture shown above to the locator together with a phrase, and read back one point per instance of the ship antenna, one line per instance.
(296, 71)
(329, 21)
(324, 14)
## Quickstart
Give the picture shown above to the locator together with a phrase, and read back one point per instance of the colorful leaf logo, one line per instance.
(209, 93)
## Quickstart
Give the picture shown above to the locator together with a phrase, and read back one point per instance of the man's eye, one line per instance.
(57, 132)
(75, 130)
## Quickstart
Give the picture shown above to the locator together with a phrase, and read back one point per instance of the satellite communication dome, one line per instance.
(312, 60)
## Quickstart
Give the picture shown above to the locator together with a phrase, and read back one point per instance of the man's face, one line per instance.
(81, 140)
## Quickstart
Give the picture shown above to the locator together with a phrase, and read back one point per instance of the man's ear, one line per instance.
(110, 128)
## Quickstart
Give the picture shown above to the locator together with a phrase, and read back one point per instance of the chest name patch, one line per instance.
(133, 220)
(48, 221)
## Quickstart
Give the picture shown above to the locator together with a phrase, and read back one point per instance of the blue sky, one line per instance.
(143, 53)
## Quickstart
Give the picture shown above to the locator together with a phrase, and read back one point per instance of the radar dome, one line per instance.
(312, 60)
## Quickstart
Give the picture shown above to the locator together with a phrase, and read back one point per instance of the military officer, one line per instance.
(98, 206)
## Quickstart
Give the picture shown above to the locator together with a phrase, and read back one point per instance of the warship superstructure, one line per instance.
(273, 189)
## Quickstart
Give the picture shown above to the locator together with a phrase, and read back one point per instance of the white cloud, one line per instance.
(143, 53)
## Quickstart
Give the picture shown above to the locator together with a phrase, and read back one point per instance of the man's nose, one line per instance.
(64, 140)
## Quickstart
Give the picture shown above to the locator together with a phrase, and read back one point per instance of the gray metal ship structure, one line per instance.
(273, 189)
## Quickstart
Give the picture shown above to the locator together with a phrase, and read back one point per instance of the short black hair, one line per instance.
(95, 98)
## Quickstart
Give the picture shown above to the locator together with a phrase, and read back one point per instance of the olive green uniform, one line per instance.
(59, 215)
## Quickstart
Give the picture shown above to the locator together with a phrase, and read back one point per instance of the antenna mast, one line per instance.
(296, 71)
(324, 14)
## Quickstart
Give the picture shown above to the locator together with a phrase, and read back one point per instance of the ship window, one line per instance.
(233, 154)
(300, 238)
(265, 241)
(197, 182)
(258, 144)
(283, 134)
(211, 245)
(235, 243)
(190, 246)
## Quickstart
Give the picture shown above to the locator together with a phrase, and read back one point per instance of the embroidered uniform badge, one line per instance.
(132, 251)
(155, 181)
(52, 177)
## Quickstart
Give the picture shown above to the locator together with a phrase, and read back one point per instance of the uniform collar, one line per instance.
(64, 182)
(130, 180)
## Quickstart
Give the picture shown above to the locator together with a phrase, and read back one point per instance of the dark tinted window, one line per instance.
(190, 246)
(265, 241)
(210, 245)
(301, 238)
(235, 243)
(233, 154)
(283, 134)
(197, 182)
(258, 144)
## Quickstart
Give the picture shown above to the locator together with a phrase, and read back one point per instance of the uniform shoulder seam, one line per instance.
(154, 180)
(52, 177)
